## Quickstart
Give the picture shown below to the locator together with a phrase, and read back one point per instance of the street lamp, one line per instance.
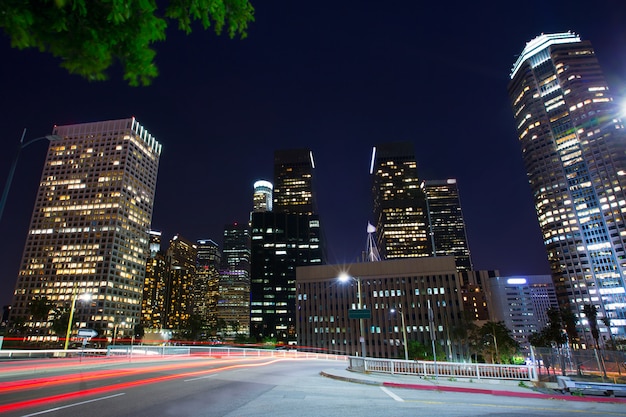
(345, 278)
(406, 349)
(22, 145)
(75, 297)
(123, 323)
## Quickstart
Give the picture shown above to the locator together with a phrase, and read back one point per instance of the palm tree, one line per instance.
(591, 312)
(497, 341)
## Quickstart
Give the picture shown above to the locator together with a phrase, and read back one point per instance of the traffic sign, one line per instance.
(88, 333)
(355, 313)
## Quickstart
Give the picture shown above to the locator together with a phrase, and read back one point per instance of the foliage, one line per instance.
(591, 312)
(561, 327)
(40, 308)
(90, 36)
(466, 336)
(497, 343)
(419, 351)
(193, 327)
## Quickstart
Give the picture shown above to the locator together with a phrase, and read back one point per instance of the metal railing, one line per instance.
(447, 369)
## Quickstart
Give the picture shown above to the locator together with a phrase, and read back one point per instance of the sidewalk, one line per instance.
(471, 386)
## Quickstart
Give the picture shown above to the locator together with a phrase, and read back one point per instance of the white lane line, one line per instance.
(200, 377)
(392, 395)
(72, 405)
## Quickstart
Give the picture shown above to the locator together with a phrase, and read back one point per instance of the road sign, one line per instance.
(88, 333)
(355, 313)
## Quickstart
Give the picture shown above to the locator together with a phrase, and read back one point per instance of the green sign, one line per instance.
(354, 313)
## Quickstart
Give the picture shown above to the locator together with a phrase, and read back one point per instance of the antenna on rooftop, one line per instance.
(372, 250)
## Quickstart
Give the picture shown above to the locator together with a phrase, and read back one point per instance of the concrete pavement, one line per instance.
(465, 385)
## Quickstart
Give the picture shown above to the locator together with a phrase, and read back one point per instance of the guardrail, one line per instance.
(448, 369)
(156, 351)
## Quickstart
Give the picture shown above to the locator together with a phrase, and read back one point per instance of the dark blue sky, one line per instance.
(336, 77)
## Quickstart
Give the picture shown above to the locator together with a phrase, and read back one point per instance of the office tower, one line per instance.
(263, 196)
(233, 309)
(181, 264)
(282, 240)
(280, 243)
(573, 148)
(413, 299)
(399, 202)
(445, 219)
(293, 181)
(521, 303)
(89, 229)
(155, 285)
(205, 292)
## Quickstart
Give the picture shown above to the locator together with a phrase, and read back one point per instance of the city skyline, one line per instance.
(335, 82)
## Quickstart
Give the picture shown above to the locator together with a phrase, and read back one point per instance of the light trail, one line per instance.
(127, 385)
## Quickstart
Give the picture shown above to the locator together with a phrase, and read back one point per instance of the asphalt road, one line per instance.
(260, 387)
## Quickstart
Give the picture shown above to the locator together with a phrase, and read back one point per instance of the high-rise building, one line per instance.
(233, 308)
(521, 302)
(205, 293)
(181, 264)
(89, 229)
(446, 224)
(282, 240)
(574, 150)
(263, 196)
(293, 181)
(153, 312)
(399, 203)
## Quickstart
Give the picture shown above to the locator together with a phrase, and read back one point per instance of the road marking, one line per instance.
(200, 377)
(392, 395)
(72, 405)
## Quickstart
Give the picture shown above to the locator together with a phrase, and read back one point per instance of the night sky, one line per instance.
(336, 77)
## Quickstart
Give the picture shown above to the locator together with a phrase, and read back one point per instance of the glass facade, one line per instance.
(574, 150)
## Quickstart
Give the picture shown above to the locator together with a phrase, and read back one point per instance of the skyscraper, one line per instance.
(282, 240)
(263, 196)
(89, 229)
(206, 284)
(399, 202)
(293, 181)
(153, 315)
(446, 223)
(181, 263)
(574, 150)
(233, 308)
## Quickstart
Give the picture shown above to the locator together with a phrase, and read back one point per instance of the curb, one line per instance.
(501, 393)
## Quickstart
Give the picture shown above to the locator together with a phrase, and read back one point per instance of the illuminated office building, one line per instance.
(263, 196)
(205, 293)
(399, 202)
(573, 147)
(89, 229)
(181, 264)
(282, 240)
(521, 303)
(155, 285)
(446, 224)
(234, 283)
(293, 181)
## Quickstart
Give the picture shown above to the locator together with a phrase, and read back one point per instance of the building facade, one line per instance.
(181, 268)
(206, 285)
(89, 229)
(446, 223)
(421, 292)
(153, 315)
(521, 302)
(233, 309)
(293, 181)
(573, 147)
(263, 196)
(399, 202)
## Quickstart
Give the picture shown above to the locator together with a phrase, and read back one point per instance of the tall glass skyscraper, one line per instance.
(399, 202)
(89, 229)
(574, 150)
(446, 223)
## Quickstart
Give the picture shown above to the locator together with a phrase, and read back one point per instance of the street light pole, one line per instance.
(75, 298)
(345, 277)
(22, 145)
(406, 348)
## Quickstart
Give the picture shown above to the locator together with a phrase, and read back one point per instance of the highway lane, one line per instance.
(249, 387)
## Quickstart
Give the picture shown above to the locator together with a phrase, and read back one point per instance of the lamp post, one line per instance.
(75, 297)
(344, 278)
(115, 330)
(406, 349)
(22, 145)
